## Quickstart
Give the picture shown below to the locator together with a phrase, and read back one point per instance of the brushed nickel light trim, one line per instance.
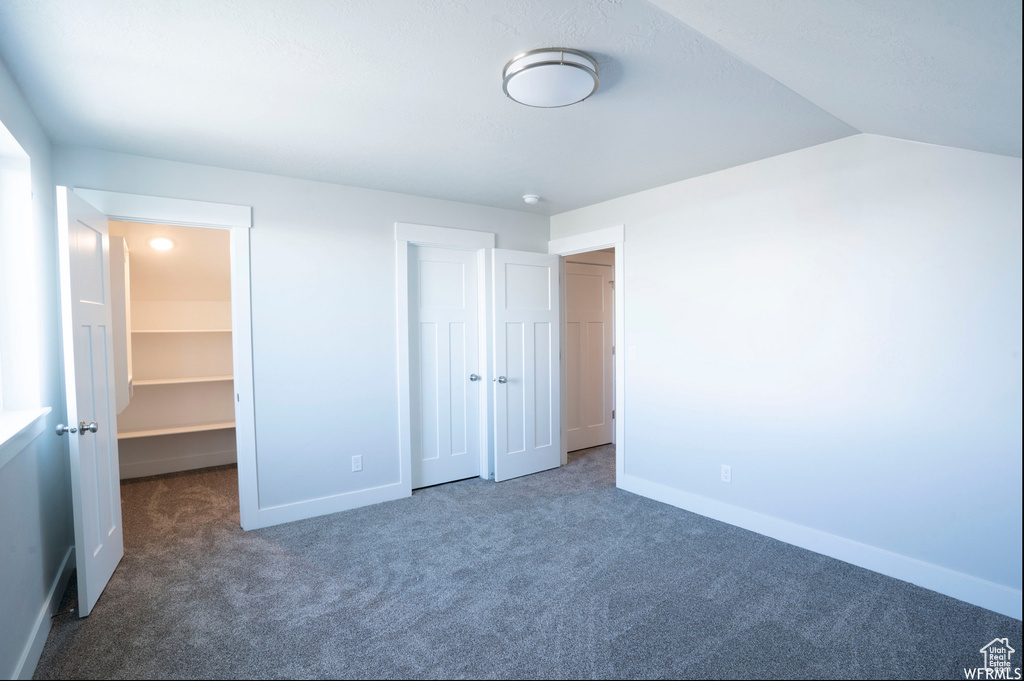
(549, 64)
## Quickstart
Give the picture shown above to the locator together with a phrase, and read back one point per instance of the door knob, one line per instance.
(502, 379)
(92, 427)
(61, 429)
(474, 377)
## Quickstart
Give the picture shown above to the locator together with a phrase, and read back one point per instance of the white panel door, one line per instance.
(589, 337)
(527, 402)
(444, 356)
(89, 385)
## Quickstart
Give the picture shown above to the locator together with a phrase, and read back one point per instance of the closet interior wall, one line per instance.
(176, 366)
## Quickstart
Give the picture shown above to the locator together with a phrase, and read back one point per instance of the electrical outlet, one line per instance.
(357, 463)
(726, 473)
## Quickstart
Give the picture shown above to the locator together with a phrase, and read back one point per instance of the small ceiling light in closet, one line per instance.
(161, 244)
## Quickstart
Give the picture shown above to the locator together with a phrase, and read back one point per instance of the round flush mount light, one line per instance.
(161, 244)
(550, 77)
(531, 198)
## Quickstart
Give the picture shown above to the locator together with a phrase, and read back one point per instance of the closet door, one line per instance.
(445, 384)
(526, 364)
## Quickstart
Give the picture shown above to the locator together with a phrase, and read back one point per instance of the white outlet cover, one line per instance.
(726, 473)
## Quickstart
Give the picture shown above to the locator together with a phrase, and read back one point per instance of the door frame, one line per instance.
(406, 235)
(238, 220)
(610, 237)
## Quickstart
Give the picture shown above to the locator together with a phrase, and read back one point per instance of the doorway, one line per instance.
(517, 294)
(236, 221)
(612, 240)
(90, 396)
(590, 348)
(171, 292)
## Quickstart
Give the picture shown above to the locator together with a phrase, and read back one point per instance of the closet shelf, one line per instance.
(181, 330)
(190, 379)
(174, 430)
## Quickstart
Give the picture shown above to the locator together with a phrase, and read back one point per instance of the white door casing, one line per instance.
(444, 359)
(89, 394)
(589, 338)
(237, 219)
(527, 405)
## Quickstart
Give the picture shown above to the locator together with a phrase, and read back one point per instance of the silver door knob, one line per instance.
(92, 427)
(474, 377)
(502, 379)
(61, 429)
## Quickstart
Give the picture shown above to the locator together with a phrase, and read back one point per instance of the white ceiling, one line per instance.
(405, 95)
(939, 71)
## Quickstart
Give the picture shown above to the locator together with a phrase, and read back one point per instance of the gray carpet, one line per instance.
(557, 574)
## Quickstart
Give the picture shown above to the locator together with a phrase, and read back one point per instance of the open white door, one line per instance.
(527, 401)
(89, 381)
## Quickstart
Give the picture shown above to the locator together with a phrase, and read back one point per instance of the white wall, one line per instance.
(35, 522)
(842, 326)
(323, 312)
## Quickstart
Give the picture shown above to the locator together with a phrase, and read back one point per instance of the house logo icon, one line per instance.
(998, 662)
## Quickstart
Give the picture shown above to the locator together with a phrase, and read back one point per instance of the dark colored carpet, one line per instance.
(557, 574)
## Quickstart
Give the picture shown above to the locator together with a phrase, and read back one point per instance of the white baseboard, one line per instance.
(300, 510)
(989, 595)
(26, 666)
(141, 469)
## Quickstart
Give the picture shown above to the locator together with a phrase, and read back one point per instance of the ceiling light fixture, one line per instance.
(550, 77)
(161, 244)
(531, 198)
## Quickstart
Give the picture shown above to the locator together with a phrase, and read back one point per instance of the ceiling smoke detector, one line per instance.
(550, 77)
(531, 198)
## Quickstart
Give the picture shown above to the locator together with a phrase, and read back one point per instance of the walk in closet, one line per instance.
(174, 374)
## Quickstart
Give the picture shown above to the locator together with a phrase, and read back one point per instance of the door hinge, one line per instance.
(613, 349)
(613, 413)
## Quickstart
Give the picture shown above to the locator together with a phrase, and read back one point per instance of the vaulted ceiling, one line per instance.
(405, 95)
(939, 71)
